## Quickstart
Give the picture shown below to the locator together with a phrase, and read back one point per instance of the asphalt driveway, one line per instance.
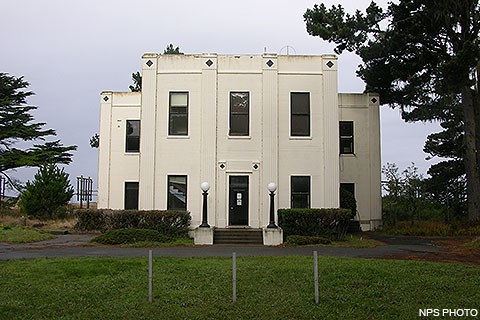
(78, 245)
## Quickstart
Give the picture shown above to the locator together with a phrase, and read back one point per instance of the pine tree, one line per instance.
(47, 194)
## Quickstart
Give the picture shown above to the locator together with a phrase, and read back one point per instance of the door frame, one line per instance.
(227, 195)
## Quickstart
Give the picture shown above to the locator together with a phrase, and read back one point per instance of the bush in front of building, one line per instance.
(89, 219)
(331, 223)
(172, 224)
(306, 240)
(131, 235)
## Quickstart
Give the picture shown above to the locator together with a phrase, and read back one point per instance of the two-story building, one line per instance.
(239, 123)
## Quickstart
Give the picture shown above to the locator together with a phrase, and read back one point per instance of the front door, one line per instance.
(238, 201)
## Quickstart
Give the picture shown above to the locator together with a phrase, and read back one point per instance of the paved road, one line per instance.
(73, 246)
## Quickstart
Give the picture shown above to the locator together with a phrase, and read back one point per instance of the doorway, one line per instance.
(238, 201)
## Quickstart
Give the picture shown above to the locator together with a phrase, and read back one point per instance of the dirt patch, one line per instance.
(451, 250)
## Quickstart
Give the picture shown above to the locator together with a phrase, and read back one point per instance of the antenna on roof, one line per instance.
(287, 48)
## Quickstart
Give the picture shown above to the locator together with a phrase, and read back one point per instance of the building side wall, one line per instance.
(364, 166)
(115, 165)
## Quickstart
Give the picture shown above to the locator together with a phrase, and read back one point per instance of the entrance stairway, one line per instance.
(238, 236)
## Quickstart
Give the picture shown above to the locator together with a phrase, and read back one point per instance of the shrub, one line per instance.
(132, 235)
(47, 194)
(173, 224)
(304, 240)
(328, 223)
(89, 219)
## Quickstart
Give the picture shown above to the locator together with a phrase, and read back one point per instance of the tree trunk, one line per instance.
(471, 126)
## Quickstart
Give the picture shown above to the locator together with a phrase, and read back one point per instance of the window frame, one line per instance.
(129, 137)
(349, 138)
(136, 198)
(231, 114)
(171, 108)
(169, 202)
(301, 193)
(297, 114)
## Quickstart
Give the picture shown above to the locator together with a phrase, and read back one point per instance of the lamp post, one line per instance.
(205, 187)
(272, 187)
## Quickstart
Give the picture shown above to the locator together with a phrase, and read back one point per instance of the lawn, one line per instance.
(22, 235)
(200, 288)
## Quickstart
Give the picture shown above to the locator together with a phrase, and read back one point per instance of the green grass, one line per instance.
(200, 288)
(22, 235)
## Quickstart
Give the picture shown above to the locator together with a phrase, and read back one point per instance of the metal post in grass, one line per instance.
(234, 276)
(150, 276)
(315, 274)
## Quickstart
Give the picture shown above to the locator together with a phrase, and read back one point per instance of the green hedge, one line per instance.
(328, 223)
(170, 223)
(131, 235)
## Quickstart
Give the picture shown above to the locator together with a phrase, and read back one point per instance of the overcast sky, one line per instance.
(70, 51)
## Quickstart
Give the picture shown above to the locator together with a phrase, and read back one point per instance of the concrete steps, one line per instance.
(238, 236)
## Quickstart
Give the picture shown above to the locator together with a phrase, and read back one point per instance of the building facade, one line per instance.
(239, 123)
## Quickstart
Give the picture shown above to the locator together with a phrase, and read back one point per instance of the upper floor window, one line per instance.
(239, 113)
(132, 142)
(177, 193)
(300, 188)
(346, 137)
(300, 114)
(178, 114)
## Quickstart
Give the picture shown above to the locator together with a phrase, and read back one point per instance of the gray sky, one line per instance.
(72, 50)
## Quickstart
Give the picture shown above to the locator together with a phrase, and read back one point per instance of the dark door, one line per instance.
(238, 201)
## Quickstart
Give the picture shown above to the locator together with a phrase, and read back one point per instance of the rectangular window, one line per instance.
(132, 142)
(300, 186)
(177, 193)
(239, 113)
(131, 195)
(178, 114)
(346, 137)
(300, 114)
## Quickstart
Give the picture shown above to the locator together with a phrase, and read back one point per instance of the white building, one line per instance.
(239, 123)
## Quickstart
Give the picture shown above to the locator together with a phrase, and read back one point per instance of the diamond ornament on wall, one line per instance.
(105, 98)
(149, 63)
(209, 63)
(270, 63)
(330, 64)
(374, 100)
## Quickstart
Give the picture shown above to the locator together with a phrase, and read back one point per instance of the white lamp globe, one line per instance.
(205, 186)
(272, 186)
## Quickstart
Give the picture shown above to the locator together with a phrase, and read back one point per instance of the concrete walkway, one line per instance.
(77, 245)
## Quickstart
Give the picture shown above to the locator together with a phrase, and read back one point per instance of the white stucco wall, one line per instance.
(364, 166)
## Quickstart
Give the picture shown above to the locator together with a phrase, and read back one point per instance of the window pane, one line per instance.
(132, 141)
(131, 195)
(300, 102)
(299, 114)
(178, 124)
(300, 186)
(346, 128)
(178, 114)
(177, 193)
(239, 125)
(300, 125)
(346, 137)
(239, 113)
(178, 99)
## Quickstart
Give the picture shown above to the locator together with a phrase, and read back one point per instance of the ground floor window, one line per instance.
(177, 193)
(131, 196)
(300, 188)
